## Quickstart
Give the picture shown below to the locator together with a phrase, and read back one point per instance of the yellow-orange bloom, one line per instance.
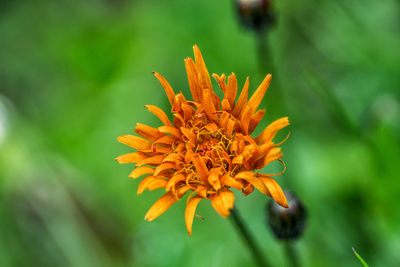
(207, 150)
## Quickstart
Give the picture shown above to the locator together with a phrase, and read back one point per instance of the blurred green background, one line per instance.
(74, 75)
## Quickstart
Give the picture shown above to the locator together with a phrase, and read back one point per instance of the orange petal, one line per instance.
(223, 202)
(140, 171)
(204, 77)
(242, 100)
(166, 139)
(168, 89)
(160, 183)
(273, 154)
(193, 80)
(237, 160)
(171, 182)
(245, 119)
(151, 183)
(135, 142)
(209, 107)
(182, 190)
(160, 206)
(256, 98)
(190, 211)
(171, 130)
(212, 127)
(227, 180)
(201, 168)
(252, 179)
(231, 89)
(214, 178)
(271, 130)
(147, 132)
(225, 105)
(221, 81)
(188, 156)
(230, 127)
(155, 160)
(163, 167)
(189, 134)
(131, 157)
(187, 111)
(255, 119)
(160, 114)
(173, 157)
(275, 191)
(162, 149)
(261, 151)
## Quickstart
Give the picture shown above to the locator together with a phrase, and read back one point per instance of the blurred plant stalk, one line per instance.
(258, 16)
(248, 238)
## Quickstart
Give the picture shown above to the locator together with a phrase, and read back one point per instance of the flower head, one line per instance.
(207, 150)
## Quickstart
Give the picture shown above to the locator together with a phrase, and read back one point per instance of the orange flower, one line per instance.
(207, 150)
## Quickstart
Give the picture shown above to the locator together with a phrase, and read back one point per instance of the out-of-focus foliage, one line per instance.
(75, 74)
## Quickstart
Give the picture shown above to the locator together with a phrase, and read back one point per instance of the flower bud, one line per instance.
(287, 223)
(255, 14)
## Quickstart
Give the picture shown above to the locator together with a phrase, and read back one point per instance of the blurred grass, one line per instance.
(74, 75)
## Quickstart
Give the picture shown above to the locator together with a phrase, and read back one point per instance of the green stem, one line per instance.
(248, 238)
(291, 254)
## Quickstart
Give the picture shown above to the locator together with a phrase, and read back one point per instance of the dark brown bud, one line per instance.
(255, 14)
(287, 223)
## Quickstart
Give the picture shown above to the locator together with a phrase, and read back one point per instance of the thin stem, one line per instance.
(291, 254)
(263, 53)
(248, 238)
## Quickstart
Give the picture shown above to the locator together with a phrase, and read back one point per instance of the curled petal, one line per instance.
(151, 183)
(201, 168)
(164, 167)
(168, 89)
(173, 157)
(212, 127)
(175, 179)
(140, 171)
(160, 206)
(250, 177)
(190, 211)
(273, 154)
(227, 180)
(255, 119)
(230, 127)
(170, 130)
(189, 134)
(214, 178)
(221, 81)
(160, 114)
(223, 202)
(275, 191)
(271, 130)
